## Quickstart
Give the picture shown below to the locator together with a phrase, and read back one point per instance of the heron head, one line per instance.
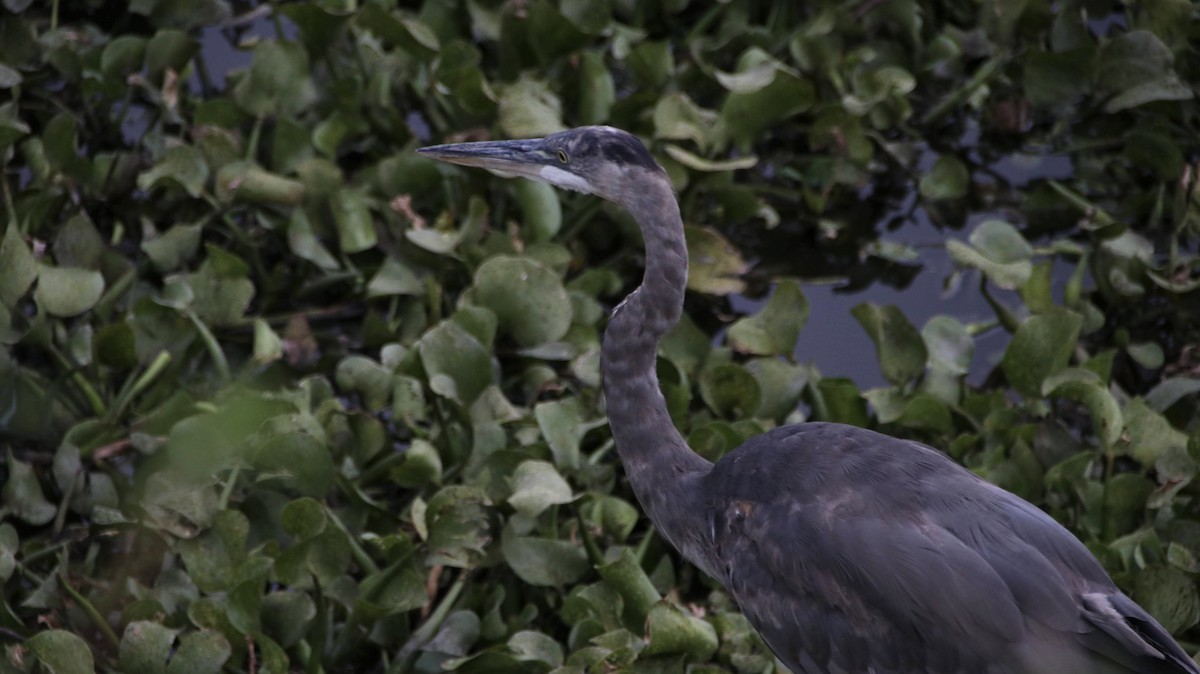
(597, 160)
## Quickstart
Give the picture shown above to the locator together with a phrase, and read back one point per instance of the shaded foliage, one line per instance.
(276, 393)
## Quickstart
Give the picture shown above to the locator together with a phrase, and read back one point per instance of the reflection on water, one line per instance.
(833, 340)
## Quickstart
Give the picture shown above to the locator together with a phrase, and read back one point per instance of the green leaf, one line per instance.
(898, 345)
(730, 391)
(763, 92)
(543, 561)
(631, 582)
(23, 495)
(1169, 595)
(304, 518)
(356, 228)
(297, 461)
(458, 524)
(776, 327)
(540, 209)
(67, 291)
(528, 299)
(1148, 435)
(286, 616)
(422, 466)
(1170, 391)
(18, 268)
(781, 384)
(61, 652)
(537, 485)
(999, 251)
(458, 366)
(145, 647)
(715, 266)
(949, 344)
(182, 165)
(367, 378)
(948, 179)
(671, 631)
(1087, 388)
(172, 250)
(562, 425)
(1039, 349)
(203, 652)
(528, 109)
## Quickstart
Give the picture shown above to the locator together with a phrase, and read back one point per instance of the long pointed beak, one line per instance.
(507, 157)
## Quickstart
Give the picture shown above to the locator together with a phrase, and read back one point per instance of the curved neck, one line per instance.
(661, 468)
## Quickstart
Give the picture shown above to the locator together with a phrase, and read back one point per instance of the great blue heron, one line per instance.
(850, 551)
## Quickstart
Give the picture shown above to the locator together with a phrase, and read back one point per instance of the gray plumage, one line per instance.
(850, 551)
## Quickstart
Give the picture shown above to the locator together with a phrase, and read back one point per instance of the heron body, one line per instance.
(850, 552)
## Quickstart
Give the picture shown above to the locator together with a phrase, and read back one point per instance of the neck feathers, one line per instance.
(660, 466)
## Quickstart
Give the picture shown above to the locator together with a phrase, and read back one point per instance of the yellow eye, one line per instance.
(562, 156)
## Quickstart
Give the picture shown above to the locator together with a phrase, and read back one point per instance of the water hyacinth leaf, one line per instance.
(459, 367)
(61, 652)
(730, 391)
(171, 250)
(356, 229)
(183, 165)
(247, 183)
(949, 344)
(543, 561)
(203, 652)
(617, 517)
(422, 466)
(597, 92)
(1148, 435)
(9, 544)
(398, 588)
(703, 165)
(671, 631)
(1058, 78)
(537, 485)
(1086, 387)
(220, 290)
(18, 268)
(459, 527)
(562, 425)
(1039, 349)
(839, 400)
(1170, 391)
(715, 266)
(781, 384)
(774, 329)
(296, 460)
(304, 243)
(529, 109)
(145, 646)
(677, 117)
(67, 291)
(528, 299)
(304, 518)
(948, 179)
(998, 250)
(925, 412)
(626, 576)
(1169, 595)
(532, 646)
(366, 377)
(762, 92)
(898, 345)
(286, 616)
(23, 496)
(9, 77)
(540, 210)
